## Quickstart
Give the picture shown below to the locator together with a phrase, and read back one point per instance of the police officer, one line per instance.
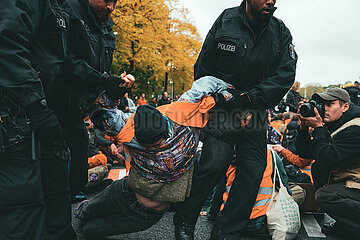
(34, 202)
(252, 50)
(86, 72)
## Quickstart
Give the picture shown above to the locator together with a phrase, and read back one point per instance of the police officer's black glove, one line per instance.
(113, 86)
(239, 98)
(219, 99)
(44, 122)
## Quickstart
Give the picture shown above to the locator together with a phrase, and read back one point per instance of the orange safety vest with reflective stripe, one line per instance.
(265, 190)
(307, 170)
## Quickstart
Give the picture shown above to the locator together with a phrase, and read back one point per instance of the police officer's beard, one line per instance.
(103, 15)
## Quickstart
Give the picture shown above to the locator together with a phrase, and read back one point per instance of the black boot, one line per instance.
(183, 231)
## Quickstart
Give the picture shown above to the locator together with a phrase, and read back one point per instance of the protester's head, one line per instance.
(259, 10)
(279, 117)
(151, 127)
(287, 115)
(336, 102)
(295, 87)
(103, 9)
(143, 95)
(126, 95)
(165, 95)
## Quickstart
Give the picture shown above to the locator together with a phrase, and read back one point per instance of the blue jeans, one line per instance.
(116, 210)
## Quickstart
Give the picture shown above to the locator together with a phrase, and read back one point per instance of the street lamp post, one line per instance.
(172, 89)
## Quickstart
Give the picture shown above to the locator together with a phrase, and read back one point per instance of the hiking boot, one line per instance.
(183, 231)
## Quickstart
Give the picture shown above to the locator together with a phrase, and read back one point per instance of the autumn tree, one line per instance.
(310, 89)
(156, 42)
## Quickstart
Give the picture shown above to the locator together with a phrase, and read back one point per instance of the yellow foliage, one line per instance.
(156, 36)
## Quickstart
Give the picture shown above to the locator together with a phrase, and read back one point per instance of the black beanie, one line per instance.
(150, 125)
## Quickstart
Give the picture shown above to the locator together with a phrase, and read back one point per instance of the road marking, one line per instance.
(311, 226)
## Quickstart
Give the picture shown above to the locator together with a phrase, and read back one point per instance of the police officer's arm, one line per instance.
(342, 152)
(206, 62)
(18, 24)
(82, 71)
(270, 92)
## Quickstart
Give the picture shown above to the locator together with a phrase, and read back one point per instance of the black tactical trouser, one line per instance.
(27, 185)
(342, 204)
(116, 210)
(77, 139)
(78, 142)
(55, 181)
(216, 156)
(22, 206)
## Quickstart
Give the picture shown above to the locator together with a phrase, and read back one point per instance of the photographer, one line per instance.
(335, 147)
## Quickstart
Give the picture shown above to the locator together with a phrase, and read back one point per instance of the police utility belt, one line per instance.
(10, 134)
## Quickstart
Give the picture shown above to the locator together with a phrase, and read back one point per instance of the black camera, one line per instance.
(307, 109)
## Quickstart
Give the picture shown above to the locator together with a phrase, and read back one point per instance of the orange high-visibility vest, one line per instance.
(265, 190)
(307, 170)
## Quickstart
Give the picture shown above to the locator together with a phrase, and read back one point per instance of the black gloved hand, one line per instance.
(239, 98)
(44, 122)
(113, 86)
(219, 99)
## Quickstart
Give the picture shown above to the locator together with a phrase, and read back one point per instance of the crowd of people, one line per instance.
(239, 138)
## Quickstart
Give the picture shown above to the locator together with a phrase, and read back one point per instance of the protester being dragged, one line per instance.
(150, 138)
(162, 138)
(335, 148)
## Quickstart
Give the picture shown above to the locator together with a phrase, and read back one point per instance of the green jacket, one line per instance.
(263, 66)
(32, 48)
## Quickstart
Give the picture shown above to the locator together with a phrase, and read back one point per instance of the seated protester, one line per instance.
(287, 118)
(303, 164)
(278, 123)
(289, 136)
(115, 121)
(95, 157)
(273, 135)
(257, 221)
(335, 148)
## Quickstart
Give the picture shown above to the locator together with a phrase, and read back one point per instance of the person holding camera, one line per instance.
(330, 127)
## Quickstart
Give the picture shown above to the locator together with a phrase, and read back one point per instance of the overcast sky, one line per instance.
(326, 35)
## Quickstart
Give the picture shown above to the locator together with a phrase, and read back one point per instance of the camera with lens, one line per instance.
(307, 109)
